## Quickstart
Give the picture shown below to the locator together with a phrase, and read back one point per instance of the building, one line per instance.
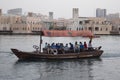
(6, 22)
(100, 13)
(76, 22)
(27, 25)
(17, 11)
(75, 13)
(0, 12)
(32, 23)
(98, 25)
(112, 16)
(115, 26)
(50, 16)
(61, 23)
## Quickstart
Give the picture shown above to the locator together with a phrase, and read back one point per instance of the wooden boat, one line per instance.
(69, 55)
(36, 55)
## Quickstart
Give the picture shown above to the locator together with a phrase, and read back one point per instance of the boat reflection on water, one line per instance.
(73, 69)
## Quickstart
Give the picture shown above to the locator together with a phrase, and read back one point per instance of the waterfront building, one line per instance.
(95, 25)
(27, 24)
(75, 13)
(112, 16)
(100, 12)
(16, 11)
(98, 25)
(32, 23)
(61, 23)
(50, 16)
(0, 12)
(6, 22)
(115, 26)
(75, 22)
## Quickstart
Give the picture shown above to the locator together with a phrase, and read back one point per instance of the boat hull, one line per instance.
(34, 55)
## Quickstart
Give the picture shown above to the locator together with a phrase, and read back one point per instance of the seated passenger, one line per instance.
(57, 46)
(71, 47)
(61, 49)
(66, 48)
(46, 45)
(81, 47)
(76, 48)
(85, 46)
(53, 46)
(48, 48)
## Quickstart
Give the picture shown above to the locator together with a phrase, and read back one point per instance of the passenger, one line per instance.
(54, 49)
(53, 46)
(57, 46)
(76, 48)
(48, 49)
(71, 47)
(61, 50)
(85, 46)
(90, 45)
(45, 49)
(46, 45)
(61, 45)
(81, 47)
(66, 48)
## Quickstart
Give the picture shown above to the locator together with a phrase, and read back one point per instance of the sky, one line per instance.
(62, 8)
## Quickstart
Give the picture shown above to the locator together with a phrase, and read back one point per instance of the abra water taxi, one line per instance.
(95, 53)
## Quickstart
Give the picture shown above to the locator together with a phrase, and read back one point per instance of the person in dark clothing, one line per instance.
(85, 46)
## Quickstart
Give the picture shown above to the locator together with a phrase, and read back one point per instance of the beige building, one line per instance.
(6, 22)
(33, 23)
(98, 25)
(61, 23)
(116, 26)
(27, 24)
(94, 24)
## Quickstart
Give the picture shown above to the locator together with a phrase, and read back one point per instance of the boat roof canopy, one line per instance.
(66, 33)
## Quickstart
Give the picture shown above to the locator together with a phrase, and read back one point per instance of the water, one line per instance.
(105, 68)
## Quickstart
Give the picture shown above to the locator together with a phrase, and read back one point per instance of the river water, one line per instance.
(107, 67)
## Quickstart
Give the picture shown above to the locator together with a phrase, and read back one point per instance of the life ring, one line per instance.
(55, 51)
(36, 47)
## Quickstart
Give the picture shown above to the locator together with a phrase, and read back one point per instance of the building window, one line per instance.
(10, 29)
(80, 22)
(97, 22)
(4, 28)
(77, 28)
(81, 28)
(25, 28)
(106, 29)
(96, 28)
(90, 28)
(101, 29)
(85, 28)
(86, 22)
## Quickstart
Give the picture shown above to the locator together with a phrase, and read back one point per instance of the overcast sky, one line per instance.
(62, 8)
